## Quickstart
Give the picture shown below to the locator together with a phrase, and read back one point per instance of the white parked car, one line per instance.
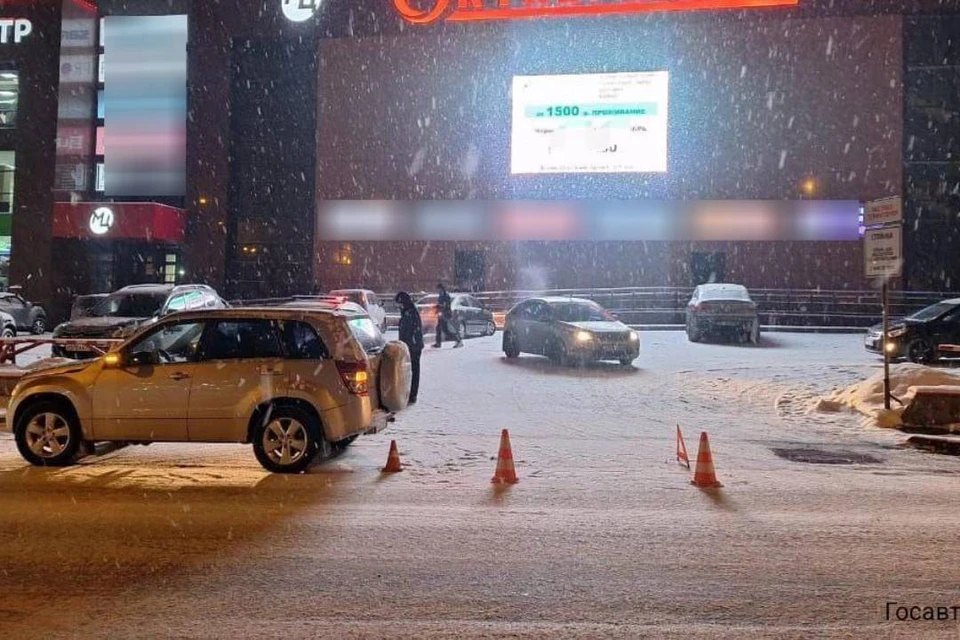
(368, 300)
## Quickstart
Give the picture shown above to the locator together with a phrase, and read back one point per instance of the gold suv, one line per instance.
(294, 382)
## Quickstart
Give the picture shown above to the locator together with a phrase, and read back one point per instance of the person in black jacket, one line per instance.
(411, 334)
(445, 318)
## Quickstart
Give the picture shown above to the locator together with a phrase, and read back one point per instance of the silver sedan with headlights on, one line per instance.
(568, 330)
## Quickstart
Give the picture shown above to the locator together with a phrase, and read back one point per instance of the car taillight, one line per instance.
(355, 376)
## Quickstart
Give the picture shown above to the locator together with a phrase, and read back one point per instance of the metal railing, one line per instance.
(777, 307)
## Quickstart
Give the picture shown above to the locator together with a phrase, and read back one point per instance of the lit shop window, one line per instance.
(8, 170)
(9, 98)
(170, 268)
(344, 255)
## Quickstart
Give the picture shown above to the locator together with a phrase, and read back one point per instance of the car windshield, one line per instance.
(368, 334)
(932, 312)
(580, 312)
(130, 305)
(725, 293)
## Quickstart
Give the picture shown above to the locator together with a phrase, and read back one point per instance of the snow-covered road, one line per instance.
(602, 537)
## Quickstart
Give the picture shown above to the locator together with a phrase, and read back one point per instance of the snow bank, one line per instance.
(867, 397)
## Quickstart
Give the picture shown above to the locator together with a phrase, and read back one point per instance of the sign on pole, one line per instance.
(885, 211)
(883, 252)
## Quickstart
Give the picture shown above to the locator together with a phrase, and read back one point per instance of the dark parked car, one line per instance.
(27, 315)
(568, 330)
(122, 312)
(722, 309)
(919, 336)
(469, 314)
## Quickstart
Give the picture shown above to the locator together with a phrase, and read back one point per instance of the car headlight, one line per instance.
(896, 333)
(634, 336)
(584, 336)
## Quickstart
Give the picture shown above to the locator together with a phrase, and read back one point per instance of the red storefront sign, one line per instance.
(146, 221)
(430, 11)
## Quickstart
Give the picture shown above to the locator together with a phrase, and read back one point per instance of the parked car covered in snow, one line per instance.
(294, 383)
(470, 315)
(28, 316)
(568, 330)
(918, 336)
(124, 311)
(722, 309)
(368, 300)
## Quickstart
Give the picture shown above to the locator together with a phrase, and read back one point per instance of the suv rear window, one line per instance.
(231, 340)
(368, 334)
(301, 342)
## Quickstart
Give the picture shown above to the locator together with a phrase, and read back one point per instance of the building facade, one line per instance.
(369, 143)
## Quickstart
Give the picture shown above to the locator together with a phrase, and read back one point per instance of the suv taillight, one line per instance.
(355, 376)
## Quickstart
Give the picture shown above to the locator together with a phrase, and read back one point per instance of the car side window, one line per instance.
(301, 342)
(194, 300)
(953, 317)
(242, 339)
(540, 312)
(371, 300)
(176, 303)
(173, 343)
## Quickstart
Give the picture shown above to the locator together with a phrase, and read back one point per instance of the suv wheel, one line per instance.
(39, 326)
(8, 332)
(490, 329)
(48, 435)
(286, 440)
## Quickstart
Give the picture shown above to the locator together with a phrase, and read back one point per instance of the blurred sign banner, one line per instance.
(430, 11)
(883, 252)
(145, 92)
(598, 220)
(885, 211)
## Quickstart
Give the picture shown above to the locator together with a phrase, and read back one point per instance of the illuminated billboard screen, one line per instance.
(590, 123)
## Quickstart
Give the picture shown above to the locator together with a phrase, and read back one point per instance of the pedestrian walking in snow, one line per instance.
(445, 318)
(411, 334)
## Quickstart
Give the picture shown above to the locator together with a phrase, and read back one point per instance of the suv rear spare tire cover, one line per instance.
(395, 377)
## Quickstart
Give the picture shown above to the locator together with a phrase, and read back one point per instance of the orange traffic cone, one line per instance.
(393, 459)
(505, 473)
(682, 449)
(705, 477)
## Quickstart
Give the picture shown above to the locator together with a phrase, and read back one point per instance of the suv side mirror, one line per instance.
(142, 359)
